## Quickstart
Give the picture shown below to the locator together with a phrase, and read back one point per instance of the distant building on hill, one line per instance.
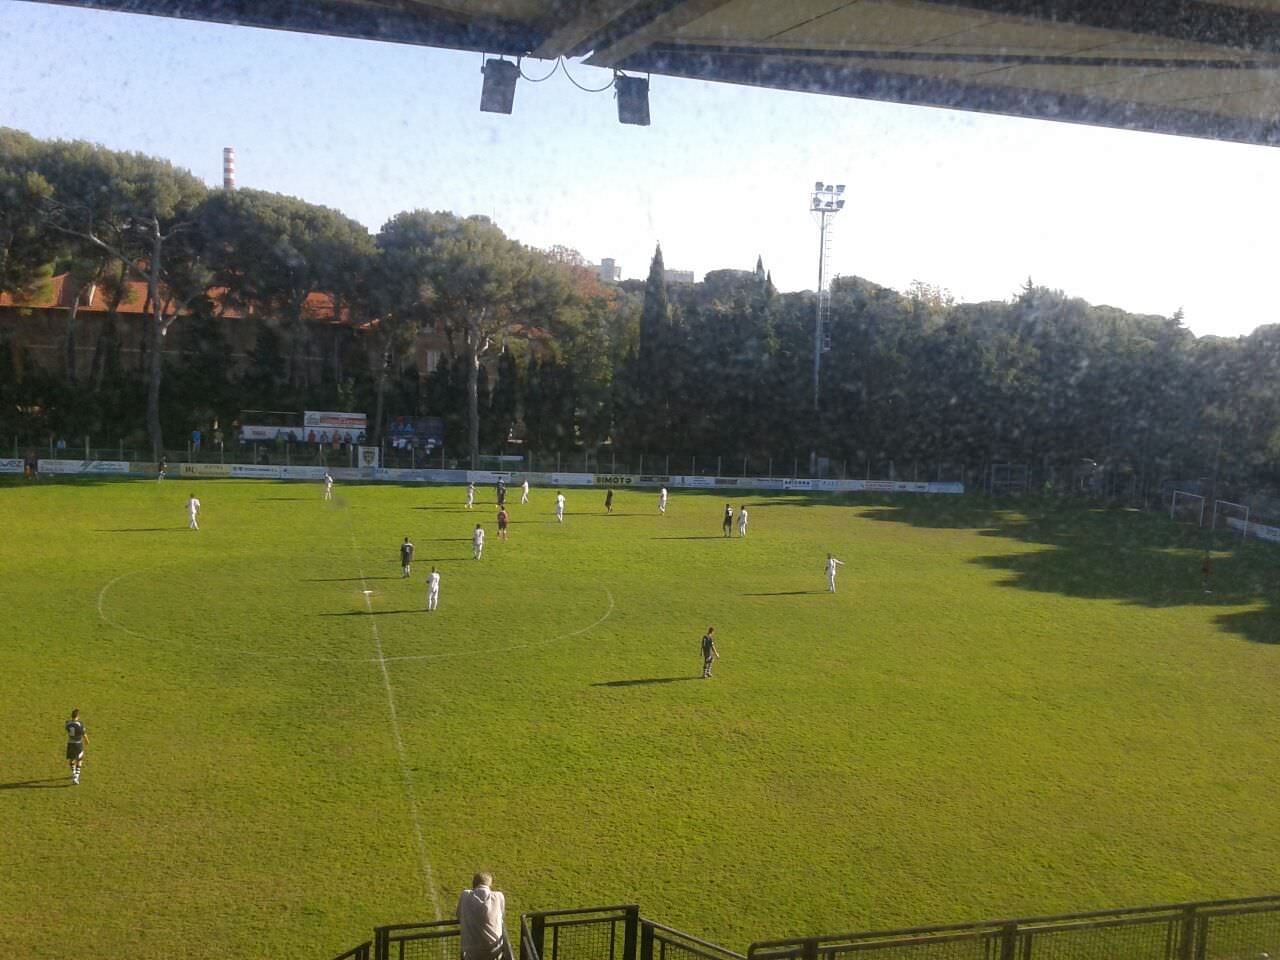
(678, 276)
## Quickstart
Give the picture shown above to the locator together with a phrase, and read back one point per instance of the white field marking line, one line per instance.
(428, 877)
(245, 652)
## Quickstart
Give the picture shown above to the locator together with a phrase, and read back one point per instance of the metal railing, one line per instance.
(614, 933)
(360, 952)
(431, 940)
(1240, 929)
(591, 933)
(1244, 929)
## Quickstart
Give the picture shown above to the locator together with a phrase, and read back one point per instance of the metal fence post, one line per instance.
(1008, 941)
(809, 950)
(1187, 935)
(646, 941)
(537, 930)
(629, 933)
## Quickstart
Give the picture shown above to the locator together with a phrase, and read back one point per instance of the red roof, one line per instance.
(56, 294)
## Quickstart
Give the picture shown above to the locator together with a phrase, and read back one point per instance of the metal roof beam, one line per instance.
(1186, 21)
(781, 73)
(420, 26)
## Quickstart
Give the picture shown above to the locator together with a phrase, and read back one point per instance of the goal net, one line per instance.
(1187, 507)
(1231, 517)
(1007, 478)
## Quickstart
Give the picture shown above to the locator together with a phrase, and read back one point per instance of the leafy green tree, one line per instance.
(481, 286)
(138, 211)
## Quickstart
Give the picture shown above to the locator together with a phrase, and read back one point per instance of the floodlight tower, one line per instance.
(826, 201)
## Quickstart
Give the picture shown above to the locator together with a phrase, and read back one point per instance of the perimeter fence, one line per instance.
(1240, 929)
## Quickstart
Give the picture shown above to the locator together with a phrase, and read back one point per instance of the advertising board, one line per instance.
(251, 471)
(84, 466)
(335, 420)
(204, 470)
(10, 466)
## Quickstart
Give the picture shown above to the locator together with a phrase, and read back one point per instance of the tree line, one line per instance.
(539, 349)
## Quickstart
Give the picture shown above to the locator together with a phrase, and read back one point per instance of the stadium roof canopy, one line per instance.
(1189, 67)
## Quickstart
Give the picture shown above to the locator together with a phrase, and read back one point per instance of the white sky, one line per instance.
(972, 203)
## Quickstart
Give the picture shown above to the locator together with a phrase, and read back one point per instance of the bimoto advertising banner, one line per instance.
(613, 480)
(263, 471)
(797, 484)
(204, 470)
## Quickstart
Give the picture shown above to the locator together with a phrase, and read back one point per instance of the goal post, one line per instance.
(1187, 507)
(1230, 516)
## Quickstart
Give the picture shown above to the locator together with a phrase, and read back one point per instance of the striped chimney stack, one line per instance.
(228, 168)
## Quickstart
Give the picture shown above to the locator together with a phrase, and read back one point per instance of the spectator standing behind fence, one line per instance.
(480, 917)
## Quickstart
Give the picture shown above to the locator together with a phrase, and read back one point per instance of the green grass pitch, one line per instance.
(1004, 710)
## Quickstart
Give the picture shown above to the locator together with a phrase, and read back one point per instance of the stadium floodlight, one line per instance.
(633, 99)
(498, 93)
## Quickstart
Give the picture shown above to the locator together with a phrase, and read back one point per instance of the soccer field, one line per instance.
(1002, 711)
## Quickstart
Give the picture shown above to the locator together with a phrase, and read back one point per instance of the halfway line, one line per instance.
(427, 876)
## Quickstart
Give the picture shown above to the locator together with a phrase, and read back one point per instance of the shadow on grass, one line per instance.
(709, 537)
(371, 613)
(643, 682)
(1114, 554)
(51, 782)
(346, 579)
(789, 593)
(143, 530)
(291, 499)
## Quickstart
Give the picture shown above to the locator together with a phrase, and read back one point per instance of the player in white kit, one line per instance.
(524, 492)
(559, 507)
(193, 508)
(477, 542)
(662, 500)
(832, 563)
(433, 590)
(742, 521)
(328, 486)
(471, 495)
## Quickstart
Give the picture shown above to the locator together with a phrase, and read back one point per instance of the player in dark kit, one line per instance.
(608, 501)
(728, 520)
(76, 740)
(406, 557)
(502, 523)
(709, 652)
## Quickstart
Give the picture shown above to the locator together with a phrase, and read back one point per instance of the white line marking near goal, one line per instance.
(428, 876)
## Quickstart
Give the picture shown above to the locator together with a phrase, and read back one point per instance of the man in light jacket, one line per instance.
(480, 921)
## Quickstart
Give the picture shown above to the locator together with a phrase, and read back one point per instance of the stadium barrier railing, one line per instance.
(431, 940)
(1241, 929)
(360, 952)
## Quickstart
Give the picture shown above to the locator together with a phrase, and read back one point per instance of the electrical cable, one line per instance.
(554, 67)
(588, 89)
